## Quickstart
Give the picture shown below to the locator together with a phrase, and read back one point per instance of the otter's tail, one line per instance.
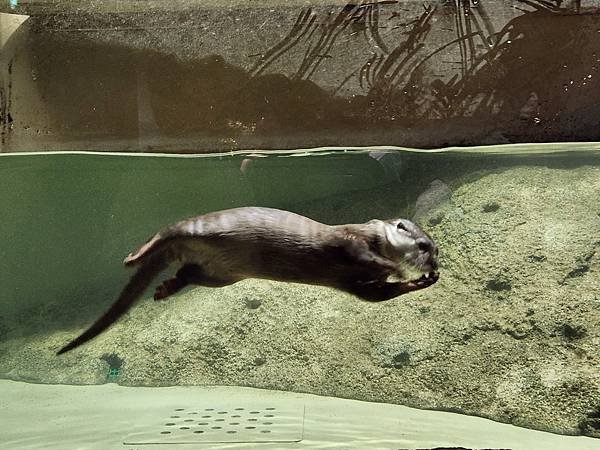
(134, 289)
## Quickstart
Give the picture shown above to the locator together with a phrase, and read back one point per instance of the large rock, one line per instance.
(510, 331)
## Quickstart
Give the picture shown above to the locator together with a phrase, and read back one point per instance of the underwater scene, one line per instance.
(321, 224)
(509, 332)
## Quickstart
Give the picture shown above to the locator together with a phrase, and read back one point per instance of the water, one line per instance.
(510, 332)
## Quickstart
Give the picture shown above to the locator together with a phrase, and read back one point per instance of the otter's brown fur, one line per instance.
(221, 248)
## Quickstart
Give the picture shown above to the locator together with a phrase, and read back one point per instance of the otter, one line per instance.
(374, 261)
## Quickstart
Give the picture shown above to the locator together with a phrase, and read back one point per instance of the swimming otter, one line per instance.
(375, 261)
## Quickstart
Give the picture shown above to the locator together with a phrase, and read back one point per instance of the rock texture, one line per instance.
(511, 330)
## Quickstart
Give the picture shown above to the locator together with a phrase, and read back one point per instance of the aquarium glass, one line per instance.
(475, 122)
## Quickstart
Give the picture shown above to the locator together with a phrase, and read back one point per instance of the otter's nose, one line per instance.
(425, 245)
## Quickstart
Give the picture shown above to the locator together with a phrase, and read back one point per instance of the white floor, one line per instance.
(104, 417)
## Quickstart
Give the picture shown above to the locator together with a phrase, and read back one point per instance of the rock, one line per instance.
(253, 303)
(436, 195)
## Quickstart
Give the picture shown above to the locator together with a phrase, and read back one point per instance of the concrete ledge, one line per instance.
(100, 417)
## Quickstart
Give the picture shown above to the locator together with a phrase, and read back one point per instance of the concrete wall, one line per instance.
(214, 76)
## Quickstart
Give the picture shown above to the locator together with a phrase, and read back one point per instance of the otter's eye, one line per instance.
(401, 226)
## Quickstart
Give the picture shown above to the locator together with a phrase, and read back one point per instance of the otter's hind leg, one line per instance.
(188, 274)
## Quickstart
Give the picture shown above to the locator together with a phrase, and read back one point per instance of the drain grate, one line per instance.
(240, 423)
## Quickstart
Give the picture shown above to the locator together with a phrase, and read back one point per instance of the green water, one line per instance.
(69, 219)
(508, 332)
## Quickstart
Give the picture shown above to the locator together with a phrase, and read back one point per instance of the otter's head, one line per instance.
(411, 248)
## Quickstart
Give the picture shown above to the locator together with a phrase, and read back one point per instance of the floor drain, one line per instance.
(197, 424)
